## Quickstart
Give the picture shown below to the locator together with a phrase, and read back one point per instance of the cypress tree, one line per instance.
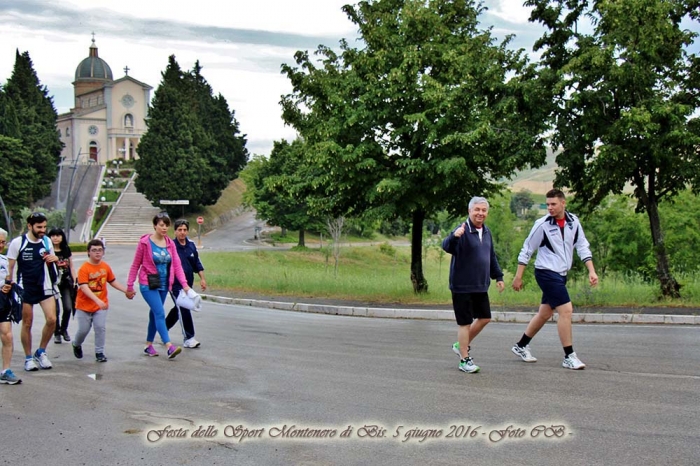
(36, 117)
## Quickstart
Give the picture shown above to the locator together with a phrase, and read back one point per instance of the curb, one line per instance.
(430, 314)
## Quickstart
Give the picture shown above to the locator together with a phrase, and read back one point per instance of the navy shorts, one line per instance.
(4, 308)
(34, 296)
(470, 306)
(553, 286)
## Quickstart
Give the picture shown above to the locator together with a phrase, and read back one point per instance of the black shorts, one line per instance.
(34, 296)
(553, 286)
(5, 309)
(470, 306)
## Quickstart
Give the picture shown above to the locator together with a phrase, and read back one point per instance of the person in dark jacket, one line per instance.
(472, 267)
(189, 257)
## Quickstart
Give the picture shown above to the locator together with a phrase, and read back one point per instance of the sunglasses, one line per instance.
(40, 215)
(179, 223)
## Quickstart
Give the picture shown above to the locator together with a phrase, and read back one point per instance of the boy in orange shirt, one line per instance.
(91, 303)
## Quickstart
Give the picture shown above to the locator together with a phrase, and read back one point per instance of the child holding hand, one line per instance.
(91, 303)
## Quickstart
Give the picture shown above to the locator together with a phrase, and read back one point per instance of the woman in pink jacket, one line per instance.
(158, 265)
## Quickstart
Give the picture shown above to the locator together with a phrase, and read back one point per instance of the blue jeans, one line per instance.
(156, 316)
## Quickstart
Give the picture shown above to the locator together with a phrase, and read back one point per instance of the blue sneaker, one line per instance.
(43, 359)
(9, 378)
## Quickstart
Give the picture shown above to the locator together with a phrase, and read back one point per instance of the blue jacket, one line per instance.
(189, 257)
(474, 261)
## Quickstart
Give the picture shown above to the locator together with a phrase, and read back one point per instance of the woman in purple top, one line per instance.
(157, 265)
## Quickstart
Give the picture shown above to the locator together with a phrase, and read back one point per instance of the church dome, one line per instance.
(93, 67)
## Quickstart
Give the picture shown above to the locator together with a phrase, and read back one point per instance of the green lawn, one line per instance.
(382, 274)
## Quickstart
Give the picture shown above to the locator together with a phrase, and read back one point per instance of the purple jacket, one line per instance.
(143, 264)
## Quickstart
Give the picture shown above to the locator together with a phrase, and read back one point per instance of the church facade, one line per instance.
(109, 116)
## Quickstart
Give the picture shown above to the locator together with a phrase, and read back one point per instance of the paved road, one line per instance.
(237, 235)
(637, 403)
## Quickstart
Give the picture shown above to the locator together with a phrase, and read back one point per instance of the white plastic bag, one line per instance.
(190, 300)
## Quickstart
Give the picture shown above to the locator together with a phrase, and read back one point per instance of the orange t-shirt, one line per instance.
(96, 277)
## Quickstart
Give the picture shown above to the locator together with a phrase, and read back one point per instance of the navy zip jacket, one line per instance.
(474, 261)
(189, 257)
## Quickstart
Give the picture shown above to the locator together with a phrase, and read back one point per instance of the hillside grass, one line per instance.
(380, 274)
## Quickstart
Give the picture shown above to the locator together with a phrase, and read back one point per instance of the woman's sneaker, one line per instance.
(524, 353)
(173, 351)
(65, 335)
(150, 351)
(467, 365)
(57, 339)
(573, 362)
(100, 357)
(9, 378)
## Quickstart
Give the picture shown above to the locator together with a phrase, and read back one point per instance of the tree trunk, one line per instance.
(301, 238)
(283, 232)
(420, 285)
(669, 286)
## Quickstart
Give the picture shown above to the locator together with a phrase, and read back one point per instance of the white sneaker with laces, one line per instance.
(191, 343)
(573, 362)
(44, 362)
(524, 353)
(30, 365)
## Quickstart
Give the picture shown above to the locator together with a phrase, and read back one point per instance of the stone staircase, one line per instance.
(131, 217)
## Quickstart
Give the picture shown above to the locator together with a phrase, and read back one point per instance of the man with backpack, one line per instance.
(36, 273)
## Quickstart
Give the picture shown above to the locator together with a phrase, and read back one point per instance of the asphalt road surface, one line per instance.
(265, 381)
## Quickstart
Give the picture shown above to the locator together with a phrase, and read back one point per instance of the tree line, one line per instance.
(431, 110)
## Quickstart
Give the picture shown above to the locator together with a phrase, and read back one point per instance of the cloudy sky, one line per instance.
(240, 45)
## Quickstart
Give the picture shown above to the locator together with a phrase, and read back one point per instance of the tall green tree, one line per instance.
(17, 175)
(627, 91)
(430, 112)
(170, 164)
(36, 117)
(272, 188)
(193, 144)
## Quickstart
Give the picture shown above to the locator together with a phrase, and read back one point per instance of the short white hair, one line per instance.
(3, 233)
(478, 200)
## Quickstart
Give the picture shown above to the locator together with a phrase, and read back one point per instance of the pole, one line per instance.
(69, 199)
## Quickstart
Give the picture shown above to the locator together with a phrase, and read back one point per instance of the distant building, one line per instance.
(108, 119)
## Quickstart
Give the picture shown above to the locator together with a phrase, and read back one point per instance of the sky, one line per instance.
(240, 45)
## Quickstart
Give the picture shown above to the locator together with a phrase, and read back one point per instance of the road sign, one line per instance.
(200, 220)
(89, 213)
(174, 202)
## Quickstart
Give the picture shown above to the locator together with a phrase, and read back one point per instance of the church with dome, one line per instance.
(109, 116)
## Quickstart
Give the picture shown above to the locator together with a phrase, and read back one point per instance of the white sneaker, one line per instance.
(524, 353)
(30, 365)
(44, 362)
(573, 362)
(191, 343)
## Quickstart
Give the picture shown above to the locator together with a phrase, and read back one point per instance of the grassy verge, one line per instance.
(381, 274)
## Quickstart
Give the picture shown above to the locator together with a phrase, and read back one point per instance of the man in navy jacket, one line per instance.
(473, 265)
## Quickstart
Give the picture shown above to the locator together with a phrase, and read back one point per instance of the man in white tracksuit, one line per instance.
(554, 238)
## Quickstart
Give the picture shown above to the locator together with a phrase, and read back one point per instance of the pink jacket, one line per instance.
(143, 264)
